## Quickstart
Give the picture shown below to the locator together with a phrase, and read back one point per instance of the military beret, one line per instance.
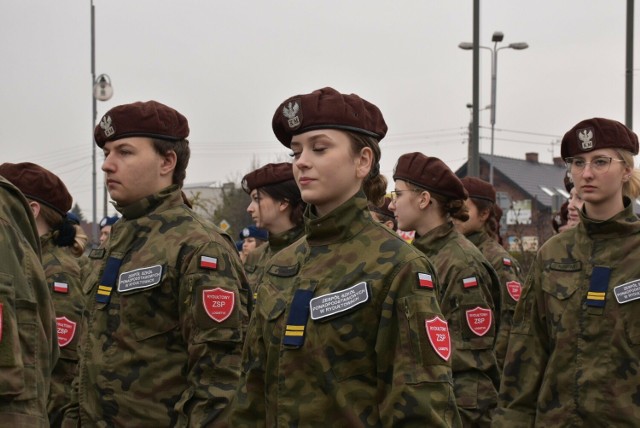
(254, 232)
(141, 119)
(429, 173)
(108, 221)
(479, 189)
(384, 209)
(39, 184)
(327, 108)
(272, 173)
(598, 133)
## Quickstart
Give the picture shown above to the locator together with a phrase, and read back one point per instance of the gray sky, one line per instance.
(227, 65)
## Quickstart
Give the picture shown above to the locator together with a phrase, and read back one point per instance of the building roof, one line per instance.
(540, 180)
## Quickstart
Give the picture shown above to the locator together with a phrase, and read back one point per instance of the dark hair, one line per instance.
(287, 191)
(491, 225)
(183, 153)
(375, 185)
(452, 207)
(64, 233)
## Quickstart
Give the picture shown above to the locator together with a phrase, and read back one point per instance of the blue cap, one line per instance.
(73, 218)
(254, 232)
(239, 245)
(108, 221)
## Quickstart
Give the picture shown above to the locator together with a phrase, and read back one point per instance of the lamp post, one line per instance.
(496, 38)
(102, 91)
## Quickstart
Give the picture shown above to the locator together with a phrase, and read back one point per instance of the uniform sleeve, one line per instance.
(510, 291)
(214, 317)
(414, 352)
(526, 358)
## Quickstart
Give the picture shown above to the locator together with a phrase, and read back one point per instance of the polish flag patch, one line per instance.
(470, 282)
(424, 280)
(506, 261)
(61, 287)
(479, 320)
(207, 262)
(514, 288)
(66, 330)
(438, 334)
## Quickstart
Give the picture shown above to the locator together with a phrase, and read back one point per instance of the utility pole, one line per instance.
(628, 110)
(473, 164)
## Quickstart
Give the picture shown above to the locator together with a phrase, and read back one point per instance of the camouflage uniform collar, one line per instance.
(435, 239)
(46, 241)
(340, 225)
(624, 223)
(477, 238)
(150, 203)
(282, 240)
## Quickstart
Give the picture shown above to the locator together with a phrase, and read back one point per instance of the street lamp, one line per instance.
(496, 38)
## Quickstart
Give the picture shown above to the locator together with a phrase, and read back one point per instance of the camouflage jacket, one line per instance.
(574, 351)
(466, 301)
(258, 258)
(510, 286)
(28, 341)
(62, 271)
(165, 320)
(346, 332)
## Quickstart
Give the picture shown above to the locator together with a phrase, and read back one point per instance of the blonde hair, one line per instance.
(630, 188)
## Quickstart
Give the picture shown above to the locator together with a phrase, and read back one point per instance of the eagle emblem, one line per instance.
(291, 112)
(586, 136)
(106, 126)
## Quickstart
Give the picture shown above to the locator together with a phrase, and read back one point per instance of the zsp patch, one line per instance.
(438, 334)
(479, 320)
(628, 291)
(218, 303)
(514, 288)
(139, 278)
(339, 301)
(470, 282)
(66, 330)
(61, 287)
(207, 262)
(425, 280)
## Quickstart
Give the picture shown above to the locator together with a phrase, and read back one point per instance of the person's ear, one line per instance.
(364, 162)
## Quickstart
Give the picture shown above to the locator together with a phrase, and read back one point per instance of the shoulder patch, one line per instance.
(424, 280)
(207, 262)
(218, 303)
(284, 271)
(437, 331)
(470, 282)
(479, 320)
(66, 330)
(61, 287)
(566, 267)
(514, 288)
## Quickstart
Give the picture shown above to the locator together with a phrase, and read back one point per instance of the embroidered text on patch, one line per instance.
(218, 303)
(339, 301)
(479, 320)
(66, 330)
(438, 333)
(514, 288)
(628, 291)
(207, 262)
(140, 278)
(424, 280)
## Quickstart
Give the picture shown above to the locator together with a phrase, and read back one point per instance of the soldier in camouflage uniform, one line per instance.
(167, 298)
(482, 229)
(347, 331)
(50, 200)
(276, 206)
(28, 341)
(427, 197)
(574, 350)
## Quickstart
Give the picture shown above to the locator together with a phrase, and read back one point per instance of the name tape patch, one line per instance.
(628, 291)
(339, 301)
(140, 278)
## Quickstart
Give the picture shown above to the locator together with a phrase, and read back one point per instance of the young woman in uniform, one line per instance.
(347, 330)
(277, 207)
(574, 350)
(427, 197)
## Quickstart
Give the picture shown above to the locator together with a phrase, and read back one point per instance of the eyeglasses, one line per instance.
(599, 164)
(395, 194)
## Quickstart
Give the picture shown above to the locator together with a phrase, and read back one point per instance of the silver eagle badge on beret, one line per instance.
(105, 124)
(290, 111)
(586, 136)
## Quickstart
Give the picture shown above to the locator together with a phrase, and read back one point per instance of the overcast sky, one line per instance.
(226, 65)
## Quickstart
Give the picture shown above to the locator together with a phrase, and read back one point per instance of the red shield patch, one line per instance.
(66, 330)
(438, 334)
(479, 320)
(515, 290)
(218, 303)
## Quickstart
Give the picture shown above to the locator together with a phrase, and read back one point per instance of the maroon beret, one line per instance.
(141, 119)
(429, 173)
(598, 133)
(479, 189)
(384, 209)
(39, 184)
(272, 173)
(327, 108)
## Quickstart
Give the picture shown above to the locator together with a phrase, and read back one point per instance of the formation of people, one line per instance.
(321, 315)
